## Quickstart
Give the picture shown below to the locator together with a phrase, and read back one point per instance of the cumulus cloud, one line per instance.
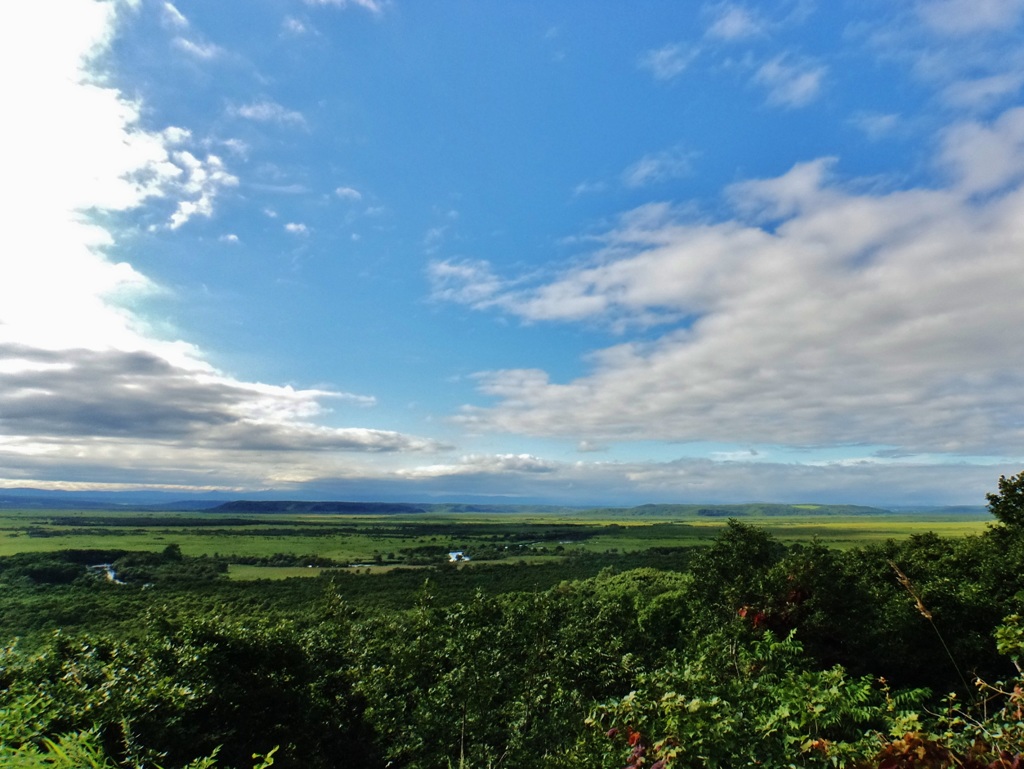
(198, 185)
(87, 393)
(986, 157)
(116, 403)
(296, 228)
(818, 315)
(348, 193)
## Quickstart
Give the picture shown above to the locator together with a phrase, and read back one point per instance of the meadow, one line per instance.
(382, 542)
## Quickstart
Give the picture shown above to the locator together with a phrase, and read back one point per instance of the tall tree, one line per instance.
(1008, 505)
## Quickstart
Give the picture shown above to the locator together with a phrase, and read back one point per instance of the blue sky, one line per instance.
(579, 252)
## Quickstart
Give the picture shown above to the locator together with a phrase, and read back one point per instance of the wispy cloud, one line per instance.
(658, 167)
(981, 93)
(295, 27)
(205, 51)
(732, 22)
(968, 52)
(348, 193)
(589, 188)
(484, 465)
(877, 125)
(173, 17)
(296, 228)
(958, 18)
(668, 62)
(466, 282)
(790, 82)
(376, 7)
(267, 111)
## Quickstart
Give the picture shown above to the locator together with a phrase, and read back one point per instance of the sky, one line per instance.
(580, 252)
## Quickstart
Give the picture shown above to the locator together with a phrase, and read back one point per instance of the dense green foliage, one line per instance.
(1007, 505)
(747, 652)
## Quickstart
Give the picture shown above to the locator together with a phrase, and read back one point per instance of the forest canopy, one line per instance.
(744, 652)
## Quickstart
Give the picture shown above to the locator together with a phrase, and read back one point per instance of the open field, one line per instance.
(379, 542)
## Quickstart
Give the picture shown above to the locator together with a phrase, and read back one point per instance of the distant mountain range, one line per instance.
(270, 502)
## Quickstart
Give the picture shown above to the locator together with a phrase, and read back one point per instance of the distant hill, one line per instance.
(378, 508)
(747, 510)
(294, 506)
(48, 499)
(222, 502)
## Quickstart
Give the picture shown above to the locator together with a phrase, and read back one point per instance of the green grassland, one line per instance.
(379, 542)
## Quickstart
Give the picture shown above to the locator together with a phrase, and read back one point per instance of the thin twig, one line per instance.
(923, 611)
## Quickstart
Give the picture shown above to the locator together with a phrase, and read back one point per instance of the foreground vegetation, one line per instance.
(738, 648)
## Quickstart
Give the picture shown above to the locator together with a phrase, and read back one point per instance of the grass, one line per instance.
(390, 540)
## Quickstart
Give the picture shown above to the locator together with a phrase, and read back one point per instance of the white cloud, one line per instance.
(173, 17)
(983, 92)
(433, 238)
(229, 238)
(295, 27)
(790, 83)
(985, 158)
(296, 228)
(732, 478)
(236, 147)
(734, 22)
(267, 111)
(968, 51)
(465, 282)
(199, 50)
(658, 167)
(877, 125)
(200, 184)
(374, 6)
(495, 464)
(964, 17)
(668, 62)
(884, 317)
(589, 188)
(348, 193)
(100, 397)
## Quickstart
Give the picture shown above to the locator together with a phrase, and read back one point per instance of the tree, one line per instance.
(1008, 505)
